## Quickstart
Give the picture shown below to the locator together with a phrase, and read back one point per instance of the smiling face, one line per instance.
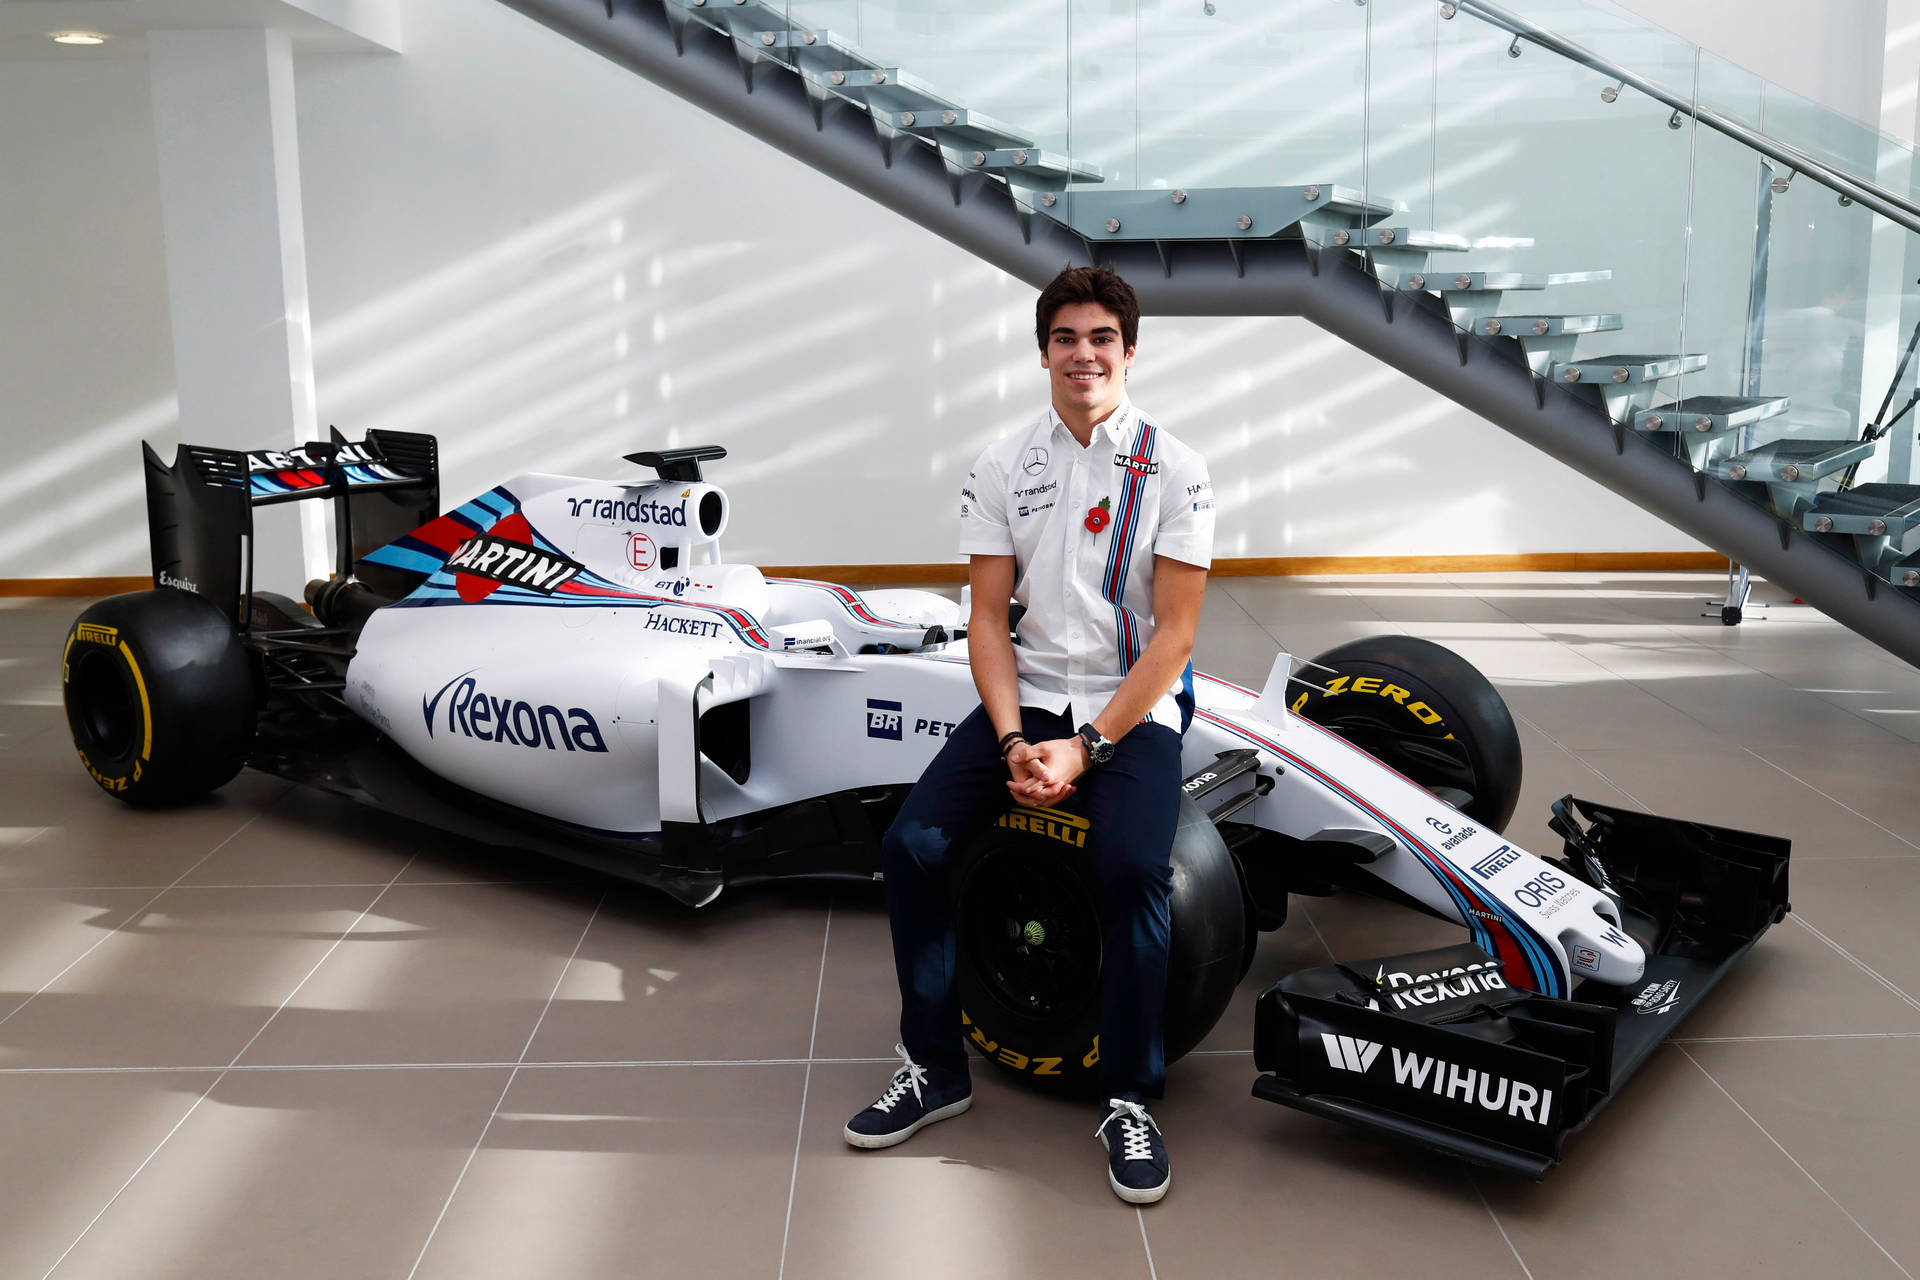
(1085, 362)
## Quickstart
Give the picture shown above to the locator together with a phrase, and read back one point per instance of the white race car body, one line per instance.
(548, 662)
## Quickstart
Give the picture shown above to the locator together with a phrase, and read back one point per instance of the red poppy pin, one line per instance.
(1098, 517)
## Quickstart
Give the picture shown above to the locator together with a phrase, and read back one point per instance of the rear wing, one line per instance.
(200, 509)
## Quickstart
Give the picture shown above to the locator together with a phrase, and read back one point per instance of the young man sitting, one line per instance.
(1100, 523)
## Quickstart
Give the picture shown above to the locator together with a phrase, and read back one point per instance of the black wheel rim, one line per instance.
(1031, 933)
(102, 703)
(1430, 760)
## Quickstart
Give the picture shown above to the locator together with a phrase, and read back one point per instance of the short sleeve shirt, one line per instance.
(1088, 591)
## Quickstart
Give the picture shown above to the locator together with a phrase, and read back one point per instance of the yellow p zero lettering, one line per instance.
(990, 1046)
(1018, 1061)
(1395, 692)
(1046, 1066)
(1367, 684)
(146, 709)
(1093, 1054)
(1300, 702)
(1423, 713)
(1338, 684)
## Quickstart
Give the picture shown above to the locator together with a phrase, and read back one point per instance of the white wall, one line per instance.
(549, 262)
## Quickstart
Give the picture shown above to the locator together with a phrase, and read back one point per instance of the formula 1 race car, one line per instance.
(569, 666)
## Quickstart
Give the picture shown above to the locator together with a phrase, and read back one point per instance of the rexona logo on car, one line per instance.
(1068, 828)
(505, 556)
(472, 712)
(1446, 1080)
(1379, 688)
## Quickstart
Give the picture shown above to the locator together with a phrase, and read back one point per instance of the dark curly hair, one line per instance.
(1101, 285)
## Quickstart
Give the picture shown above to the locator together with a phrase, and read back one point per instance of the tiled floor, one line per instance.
(273, 1035)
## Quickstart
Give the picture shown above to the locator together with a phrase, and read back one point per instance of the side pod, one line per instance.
(1436, 1049)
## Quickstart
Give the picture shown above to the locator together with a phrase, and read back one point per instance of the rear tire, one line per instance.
(1425, 711)
(159, 694)
(1026, 913)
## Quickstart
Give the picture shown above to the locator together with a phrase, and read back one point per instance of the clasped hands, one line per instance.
(1044, 772)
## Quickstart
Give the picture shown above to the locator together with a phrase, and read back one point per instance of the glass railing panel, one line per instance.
(1181, 94)
(1404, 75)
(1547, 173)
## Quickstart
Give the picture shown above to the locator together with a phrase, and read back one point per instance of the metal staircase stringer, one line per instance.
(1259, 277)
(975, 211)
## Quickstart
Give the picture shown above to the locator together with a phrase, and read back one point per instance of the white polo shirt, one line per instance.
(1089, 595)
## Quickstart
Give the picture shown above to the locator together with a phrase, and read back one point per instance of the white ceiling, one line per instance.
(26, 24)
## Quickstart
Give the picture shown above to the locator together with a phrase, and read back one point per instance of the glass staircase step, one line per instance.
(880, 89)
(1514, 281)
(1032, 167)
(957, 127)
(734, 17)
(1374, 239)
(1629, 369)
(1791, 461)
(1710, 413)
(1218, 213)
(1891, 510)
(1524, 327)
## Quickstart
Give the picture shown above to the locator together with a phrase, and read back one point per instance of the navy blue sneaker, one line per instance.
(1137, 1167)
(916, 1098)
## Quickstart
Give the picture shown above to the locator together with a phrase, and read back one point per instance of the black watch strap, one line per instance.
(1099, 749)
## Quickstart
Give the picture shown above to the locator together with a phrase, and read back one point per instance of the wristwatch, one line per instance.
(1099, 750)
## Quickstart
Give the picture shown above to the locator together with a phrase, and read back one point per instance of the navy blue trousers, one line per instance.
(1133, 802)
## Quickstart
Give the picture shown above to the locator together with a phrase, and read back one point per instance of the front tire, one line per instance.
(159, 695)
(1027, 919)
(1424, 710)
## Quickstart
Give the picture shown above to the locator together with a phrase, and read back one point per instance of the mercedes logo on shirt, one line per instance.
(1035, 461)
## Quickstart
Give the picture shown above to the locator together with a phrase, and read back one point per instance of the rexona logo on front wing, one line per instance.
(462, 708)
(1446, 1080)
(1412, 990)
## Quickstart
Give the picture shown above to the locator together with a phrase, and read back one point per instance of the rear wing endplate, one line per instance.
(200, 509)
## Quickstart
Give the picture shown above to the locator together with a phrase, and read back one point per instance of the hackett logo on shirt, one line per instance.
(1143, 466)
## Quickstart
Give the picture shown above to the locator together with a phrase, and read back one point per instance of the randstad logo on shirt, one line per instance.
(883, 719)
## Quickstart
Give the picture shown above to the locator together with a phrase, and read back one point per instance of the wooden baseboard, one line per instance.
(1295, 566)
(1240, 567)
(72, 586)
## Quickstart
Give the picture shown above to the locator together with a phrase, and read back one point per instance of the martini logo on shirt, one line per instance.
(1139, 466)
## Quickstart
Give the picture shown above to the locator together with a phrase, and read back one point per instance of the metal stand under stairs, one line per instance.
(1319, 251)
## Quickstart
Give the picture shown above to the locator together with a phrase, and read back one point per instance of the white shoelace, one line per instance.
(1135, 1142)
(910, 1076)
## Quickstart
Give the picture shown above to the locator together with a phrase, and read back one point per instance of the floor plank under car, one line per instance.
(274, 1035)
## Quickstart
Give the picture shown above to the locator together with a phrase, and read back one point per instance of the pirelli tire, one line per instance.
(1426, 711)
(160, 696)
(1029, 960)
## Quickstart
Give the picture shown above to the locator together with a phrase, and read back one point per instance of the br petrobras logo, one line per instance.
(883, 719)
(1035, 462)
(1496, 862)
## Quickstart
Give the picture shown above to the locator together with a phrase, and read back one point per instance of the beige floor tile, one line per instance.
(1876, 782)
(71, 1140)
(187, 982)
(456, 973)
(653, 982)
(1549, 771)
(859, 995)
(1261, 1191)
(1792, 983)
(296, 1174)
(1243, 655)
(1355, 927)
(308, 837)
(91, 839)
(1412, 603)
(618, 1172)
(1598, 711)
(1269, 600)
(1725, 786)
(1675, 1175)
(1847, 1111)
(42, 931)
(1867, 907)
(1017, 1186)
